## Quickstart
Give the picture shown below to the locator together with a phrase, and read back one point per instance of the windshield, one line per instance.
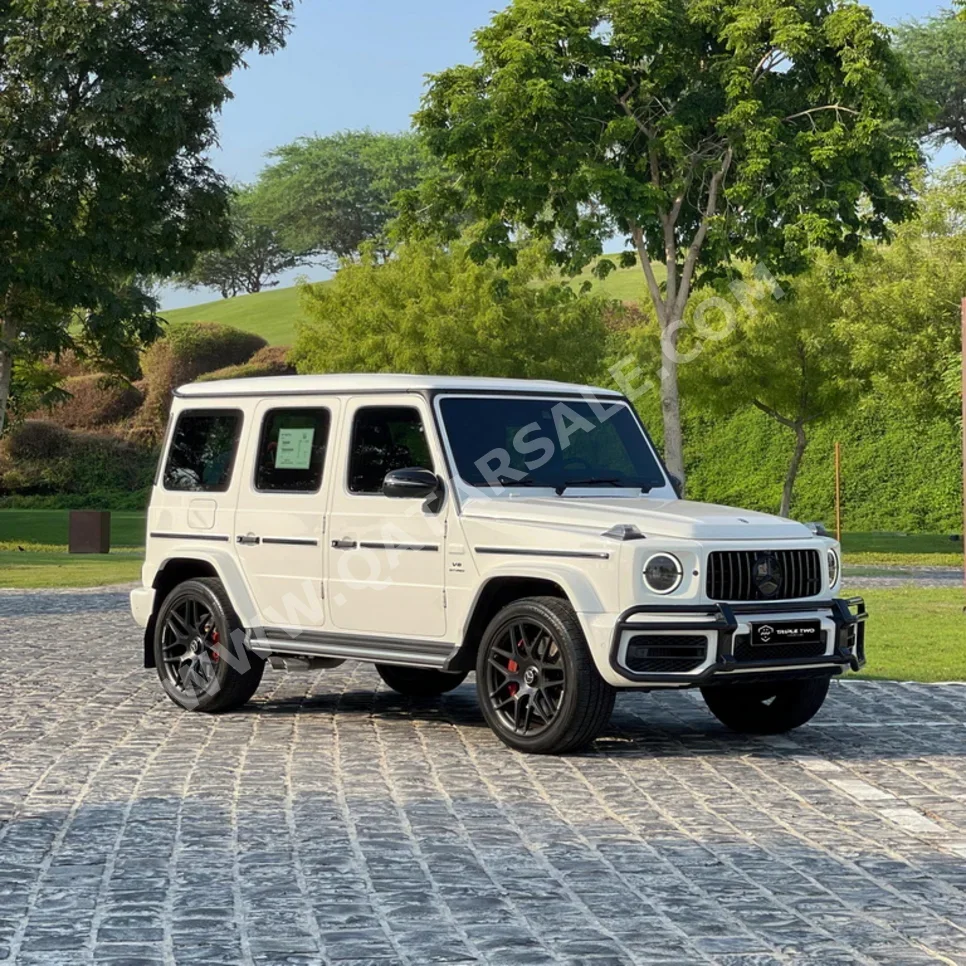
(548, 442)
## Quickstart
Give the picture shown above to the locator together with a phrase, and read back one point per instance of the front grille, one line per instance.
(666, 653)
(775, 652)
(763, 574)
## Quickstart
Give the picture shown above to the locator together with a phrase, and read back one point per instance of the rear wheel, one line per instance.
(200, 652)
(419, 682)
(768, 709)
(536, 680)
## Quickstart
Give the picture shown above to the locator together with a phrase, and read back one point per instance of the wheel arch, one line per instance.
(178, 568)
(501, 589)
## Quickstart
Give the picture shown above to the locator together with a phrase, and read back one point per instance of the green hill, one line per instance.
(273, 314)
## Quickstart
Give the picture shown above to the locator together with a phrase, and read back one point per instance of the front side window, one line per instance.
(202, 452)
(545, 442)
(385, 438)
(291, 451)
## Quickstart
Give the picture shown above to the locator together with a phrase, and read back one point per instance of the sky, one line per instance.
(353, 64)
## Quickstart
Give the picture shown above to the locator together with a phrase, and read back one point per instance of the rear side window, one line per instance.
(291, 451)
(203, 450)
(385, 438)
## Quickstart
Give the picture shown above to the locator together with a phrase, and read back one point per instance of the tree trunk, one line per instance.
(801, 442)
(671, 408)
(6, 369)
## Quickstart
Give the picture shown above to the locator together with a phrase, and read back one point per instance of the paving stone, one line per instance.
(334, 822)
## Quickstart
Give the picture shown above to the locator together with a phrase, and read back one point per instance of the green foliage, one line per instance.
(903, 301)
(901, 471)
(43, 459)
(107, 114)
(270, 361)
(329, 195)
(187, 351)
(935, 52)
(253, 258)
(437, 312)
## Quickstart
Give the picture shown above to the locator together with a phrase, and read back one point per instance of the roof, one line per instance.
(378, 382)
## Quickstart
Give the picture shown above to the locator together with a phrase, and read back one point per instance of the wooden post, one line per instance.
(838, 491)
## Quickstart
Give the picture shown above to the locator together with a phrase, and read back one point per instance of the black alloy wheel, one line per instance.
(536, 680)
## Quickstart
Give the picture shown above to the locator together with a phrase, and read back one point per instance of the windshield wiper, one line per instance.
(503, 480)
(604, 481)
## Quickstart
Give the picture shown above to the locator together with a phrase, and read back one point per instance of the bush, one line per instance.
(270, 361)
(187, 351)
(95, 401)
(42, 459)
(438, 312)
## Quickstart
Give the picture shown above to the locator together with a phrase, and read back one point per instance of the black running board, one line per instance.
(355, 647)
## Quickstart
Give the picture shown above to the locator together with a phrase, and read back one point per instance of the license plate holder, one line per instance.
(786, 632)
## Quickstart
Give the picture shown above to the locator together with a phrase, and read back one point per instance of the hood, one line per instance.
(683, 519)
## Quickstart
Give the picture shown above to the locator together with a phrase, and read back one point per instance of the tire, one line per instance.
(199, 649)
(536, 680)
(419, 682)
(768, 709)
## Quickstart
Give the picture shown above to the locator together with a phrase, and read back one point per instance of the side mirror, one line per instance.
(677, 484)
(414, 483)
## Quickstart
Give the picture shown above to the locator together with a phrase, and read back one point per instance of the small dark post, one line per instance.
(90, 531)
(838, 492)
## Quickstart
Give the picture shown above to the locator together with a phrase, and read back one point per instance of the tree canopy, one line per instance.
(935, 51)
(437, 312)
(107, 111)
(329, 195)
(704, 132)
(254, 257)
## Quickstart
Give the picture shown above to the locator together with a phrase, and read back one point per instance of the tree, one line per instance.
(437, 312)
(106, 113)
(329, 195)
(254, 257)
(789, 358)
(703, 131)
(935, 51)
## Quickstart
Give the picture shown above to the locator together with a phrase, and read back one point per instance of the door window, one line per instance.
(385, 438)
(202, 452)
(291, 451)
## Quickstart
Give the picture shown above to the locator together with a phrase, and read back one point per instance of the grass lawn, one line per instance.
(912, 549)
(916, 634)
(49, 528)
(60, 569)
(273, 314)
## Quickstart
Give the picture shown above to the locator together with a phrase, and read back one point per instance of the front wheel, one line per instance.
(199, 649)
(536, 680)
(767, 709)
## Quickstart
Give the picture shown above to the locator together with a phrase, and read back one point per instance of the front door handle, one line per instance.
(249, 540)
(345, 544)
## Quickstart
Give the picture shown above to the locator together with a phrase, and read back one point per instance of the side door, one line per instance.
(280, 514)
(386, 555)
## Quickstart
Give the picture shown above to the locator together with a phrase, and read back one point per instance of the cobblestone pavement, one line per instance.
(334, 822)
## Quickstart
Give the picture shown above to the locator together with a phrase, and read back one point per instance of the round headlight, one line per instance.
(663, 573)
(833, 567)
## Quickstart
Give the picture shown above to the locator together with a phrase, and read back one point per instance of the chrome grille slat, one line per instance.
(731, 575)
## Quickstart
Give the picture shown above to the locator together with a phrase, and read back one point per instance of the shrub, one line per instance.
(187, 351)
(95, 401)
(36, 440)
(270, 361)
(43, 459)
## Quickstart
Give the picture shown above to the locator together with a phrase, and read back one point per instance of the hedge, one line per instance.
(270, 361)
(95, 401)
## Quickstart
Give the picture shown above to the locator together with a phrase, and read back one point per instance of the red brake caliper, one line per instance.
(214, 648)
(513, 667)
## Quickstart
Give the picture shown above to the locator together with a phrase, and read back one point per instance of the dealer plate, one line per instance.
(786, 632)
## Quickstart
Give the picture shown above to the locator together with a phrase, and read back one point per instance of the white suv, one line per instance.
(435, 526)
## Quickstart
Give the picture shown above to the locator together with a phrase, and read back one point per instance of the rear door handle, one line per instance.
(345, 544)
(249, 540)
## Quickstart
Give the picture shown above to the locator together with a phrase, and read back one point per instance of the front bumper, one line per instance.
(725, 625)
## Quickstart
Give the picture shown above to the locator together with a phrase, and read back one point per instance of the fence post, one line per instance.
(838, 490)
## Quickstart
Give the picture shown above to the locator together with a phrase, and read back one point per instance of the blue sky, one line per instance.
(361, 64)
